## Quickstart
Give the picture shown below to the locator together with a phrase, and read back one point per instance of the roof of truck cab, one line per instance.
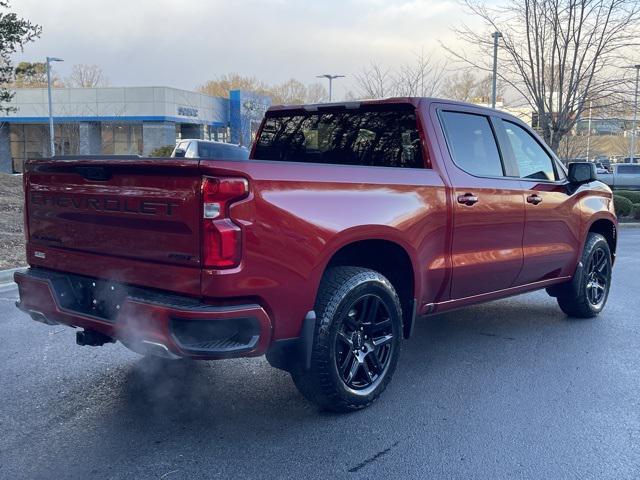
(415, 101)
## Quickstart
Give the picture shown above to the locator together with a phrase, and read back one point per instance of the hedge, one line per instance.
(636, 211)
(633, 196)
(623, 205)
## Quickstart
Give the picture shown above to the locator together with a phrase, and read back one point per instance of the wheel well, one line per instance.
(607, 229)
(387, 258)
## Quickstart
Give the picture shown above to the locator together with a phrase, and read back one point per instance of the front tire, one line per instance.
(586, 294)
(356, 342)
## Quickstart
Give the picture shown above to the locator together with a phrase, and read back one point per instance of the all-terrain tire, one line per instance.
(577, 298)
(342, 292)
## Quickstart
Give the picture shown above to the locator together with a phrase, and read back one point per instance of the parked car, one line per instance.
(347, 223)
(625, 176)
(195, 148)
(600, 168)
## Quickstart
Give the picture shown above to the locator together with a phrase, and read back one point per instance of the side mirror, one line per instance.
(582, 172)
(179, 153)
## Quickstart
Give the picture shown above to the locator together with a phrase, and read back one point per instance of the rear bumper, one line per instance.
(145, 320)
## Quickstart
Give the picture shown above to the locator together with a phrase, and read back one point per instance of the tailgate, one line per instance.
(136, 209)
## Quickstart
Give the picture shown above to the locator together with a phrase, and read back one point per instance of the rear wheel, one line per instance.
(356, 342)
(586, 294)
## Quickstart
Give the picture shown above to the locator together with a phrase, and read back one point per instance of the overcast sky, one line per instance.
(184, 43)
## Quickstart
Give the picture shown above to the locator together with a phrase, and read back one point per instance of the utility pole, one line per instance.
(632, 152)
(331, 78)
(496, 36)
(589, 132)
(52, 143)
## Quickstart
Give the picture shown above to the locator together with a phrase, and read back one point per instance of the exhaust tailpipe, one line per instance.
(92, 338)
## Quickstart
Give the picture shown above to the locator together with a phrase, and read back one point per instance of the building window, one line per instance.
(219, 134)
(67, 137)
(27, 141)
(121, 138)
(32, 141)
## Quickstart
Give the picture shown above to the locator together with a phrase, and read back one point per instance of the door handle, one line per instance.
(467, 199)
(535, 199)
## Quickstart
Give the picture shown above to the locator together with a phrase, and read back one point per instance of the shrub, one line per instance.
(623, 205)
(633, 196)
(636, 211)
(164, 151)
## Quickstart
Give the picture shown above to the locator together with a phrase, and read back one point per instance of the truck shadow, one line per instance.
(216, 412)
(219, 392)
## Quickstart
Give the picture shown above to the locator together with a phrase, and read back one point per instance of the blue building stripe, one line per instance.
(65, 119)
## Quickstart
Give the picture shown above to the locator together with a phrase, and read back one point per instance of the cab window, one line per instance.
(472, 143)
(532, 160)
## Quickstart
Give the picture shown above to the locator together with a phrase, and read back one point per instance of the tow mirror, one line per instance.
(179, 153)
(582, 172)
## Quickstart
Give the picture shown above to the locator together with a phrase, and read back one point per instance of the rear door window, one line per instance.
(379, 136)
(472, 143)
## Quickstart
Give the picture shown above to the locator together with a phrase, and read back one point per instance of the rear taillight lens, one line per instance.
(221, 237)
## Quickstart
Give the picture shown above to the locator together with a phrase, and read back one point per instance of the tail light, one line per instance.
(221, 237)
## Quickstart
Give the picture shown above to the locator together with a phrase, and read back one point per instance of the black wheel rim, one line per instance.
(598, 275)
(364, 344)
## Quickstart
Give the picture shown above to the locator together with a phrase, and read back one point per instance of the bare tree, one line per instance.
(374, 81)
(86, 76)
(423, 77)
(555, 53)
(460, 86)
(288, 93)
(316, 93)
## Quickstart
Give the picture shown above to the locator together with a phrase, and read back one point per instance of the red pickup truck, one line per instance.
(347, 222)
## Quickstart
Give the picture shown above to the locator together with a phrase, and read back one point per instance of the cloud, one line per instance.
(182, 44)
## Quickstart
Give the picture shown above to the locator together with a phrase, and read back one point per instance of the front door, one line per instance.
(488, 205)
(551, 241)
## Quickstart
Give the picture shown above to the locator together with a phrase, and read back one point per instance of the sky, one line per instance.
(185, 43)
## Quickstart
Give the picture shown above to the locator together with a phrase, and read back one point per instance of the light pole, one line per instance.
(496, 36)
(632, 152)
(52, 144)
(331, 78)
(589, 132)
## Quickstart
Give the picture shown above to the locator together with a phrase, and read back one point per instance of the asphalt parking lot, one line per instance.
(510, 389)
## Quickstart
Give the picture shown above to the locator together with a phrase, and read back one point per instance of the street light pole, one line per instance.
(52, 144)
(331, 78)
(632, 152)
(496, 36)
(589, 132)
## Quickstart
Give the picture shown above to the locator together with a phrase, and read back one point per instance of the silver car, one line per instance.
(196, 148)
(625, 176)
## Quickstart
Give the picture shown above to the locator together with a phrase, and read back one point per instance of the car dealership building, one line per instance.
(121, 121)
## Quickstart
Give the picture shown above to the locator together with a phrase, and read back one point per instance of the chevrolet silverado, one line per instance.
(347, 223)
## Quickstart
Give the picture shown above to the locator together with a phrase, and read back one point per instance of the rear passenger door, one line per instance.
(551, 241)
(488, 205)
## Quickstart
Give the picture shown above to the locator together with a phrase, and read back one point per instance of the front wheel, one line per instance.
(356, 342)
(586, 295)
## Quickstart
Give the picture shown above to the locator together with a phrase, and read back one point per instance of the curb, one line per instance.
(6, 276)
(629, 225)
